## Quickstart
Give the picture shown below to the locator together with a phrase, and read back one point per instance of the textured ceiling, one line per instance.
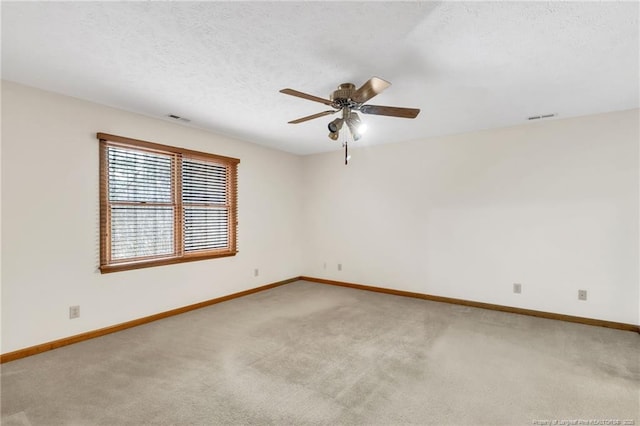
(468, 66)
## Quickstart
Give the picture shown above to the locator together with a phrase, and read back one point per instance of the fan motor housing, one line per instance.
(342, 96)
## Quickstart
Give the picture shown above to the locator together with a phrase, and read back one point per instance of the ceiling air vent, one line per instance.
(177, 117)
(540, 117)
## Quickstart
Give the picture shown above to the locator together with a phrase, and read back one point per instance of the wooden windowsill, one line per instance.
(117, 267)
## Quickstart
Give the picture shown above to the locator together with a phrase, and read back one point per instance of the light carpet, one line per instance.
(307, 353)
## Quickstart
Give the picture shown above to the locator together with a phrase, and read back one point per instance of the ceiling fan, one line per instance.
(348, 99)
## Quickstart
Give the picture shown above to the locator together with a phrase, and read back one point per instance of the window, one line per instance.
(162, 205)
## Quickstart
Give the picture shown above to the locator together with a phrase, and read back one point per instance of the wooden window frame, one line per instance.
(231, 165)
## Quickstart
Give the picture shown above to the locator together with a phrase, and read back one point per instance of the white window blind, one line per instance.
(162, 205)
(141, 202)
(204, 198)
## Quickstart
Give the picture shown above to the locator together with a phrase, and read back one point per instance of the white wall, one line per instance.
(50, 239)
(552, 205)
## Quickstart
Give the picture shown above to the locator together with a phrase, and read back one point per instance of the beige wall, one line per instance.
(552, 205)
(50, 244)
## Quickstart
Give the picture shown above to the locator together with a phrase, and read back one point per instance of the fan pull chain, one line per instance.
(346, 154)
(346, 149)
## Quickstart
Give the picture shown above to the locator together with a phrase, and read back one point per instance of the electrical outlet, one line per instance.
(324, 266)
(582, 294)
(256, 272)
(74, 312)
(517, 288)
(339, 266)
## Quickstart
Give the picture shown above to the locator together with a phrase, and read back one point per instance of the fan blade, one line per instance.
(311, 117)
(306, 96)
(373, 87)
(390, 111)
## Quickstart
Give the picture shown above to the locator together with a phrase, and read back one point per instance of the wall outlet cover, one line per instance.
(74, 312)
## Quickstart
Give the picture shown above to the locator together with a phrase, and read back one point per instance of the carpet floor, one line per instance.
(307, 353)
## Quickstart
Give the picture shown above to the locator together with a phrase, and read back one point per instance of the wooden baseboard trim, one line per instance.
(510, 309)
(33, 350)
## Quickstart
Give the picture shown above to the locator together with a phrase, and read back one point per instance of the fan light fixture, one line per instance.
(336, 125)
(354, 124)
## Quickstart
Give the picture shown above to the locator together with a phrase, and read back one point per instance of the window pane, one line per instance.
(203, 182)
(139, 176)
(140, 231)
(205, 228)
